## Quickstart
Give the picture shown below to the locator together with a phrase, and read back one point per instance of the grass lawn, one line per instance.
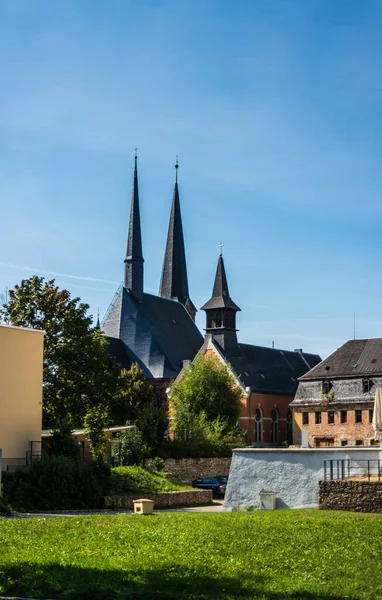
(285, 555)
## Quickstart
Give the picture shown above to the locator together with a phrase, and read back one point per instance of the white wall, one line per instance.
(292, 473)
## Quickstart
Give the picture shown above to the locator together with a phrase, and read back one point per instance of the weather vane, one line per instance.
(221, 248)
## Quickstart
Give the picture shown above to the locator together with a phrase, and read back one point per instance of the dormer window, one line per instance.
(366, 385)
(326, 386)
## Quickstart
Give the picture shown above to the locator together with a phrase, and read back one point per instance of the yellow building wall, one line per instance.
(21, 362)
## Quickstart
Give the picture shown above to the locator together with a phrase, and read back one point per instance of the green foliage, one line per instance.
(265, 555)
(63, 443)
(129, 448)
(134, 479)
(133, 392)
(78, 372)
(152, 421)
(96, 420)
(207, 387)
(157, 464)
(53, 483)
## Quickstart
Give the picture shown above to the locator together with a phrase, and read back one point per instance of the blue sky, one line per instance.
(274, 108)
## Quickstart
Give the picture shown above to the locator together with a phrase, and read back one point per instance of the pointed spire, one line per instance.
(174, 281)
(98, 324)
(133, 279)
(220, 293)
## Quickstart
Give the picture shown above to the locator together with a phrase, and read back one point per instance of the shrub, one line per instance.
(133, 479)
(62, 443)
(130, 448)
(157, 464)
(54, 483)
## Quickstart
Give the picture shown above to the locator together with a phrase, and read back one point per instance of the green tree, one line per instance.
(78, 372)
(152, 421)
(207, 388)
(131, 448)
(133, 392)
(96, 420)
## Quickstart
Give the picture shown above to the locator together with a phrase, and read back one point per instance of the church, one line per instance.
(160, 334)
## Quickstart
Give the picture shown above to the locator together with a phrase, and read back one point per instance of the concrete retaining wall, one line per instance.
(162, 500)
(294, 474)
(360, 496)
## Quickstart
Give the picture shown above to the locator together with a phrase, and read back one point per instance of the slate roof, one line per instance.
(220, 293)
(356, 358)
(269, 370)
(117, 349)
(157, 333)
(174, 281)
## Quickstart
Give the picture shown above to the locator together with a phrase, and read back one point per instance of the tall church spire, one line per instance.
(133, 279)
(221, 309)
(174, 282)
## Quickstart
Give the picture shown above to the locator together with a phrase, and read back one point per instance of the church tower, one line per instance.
(174, 281)
(221, 311)
(133, 279)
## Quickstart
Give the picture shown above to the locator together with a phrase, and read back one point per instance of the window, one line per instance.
(289, 428)
(366, 385)
(275, 426)
(358, 416)
(344, 416)
(331, 416)
(326, 385)
(344, 442)
(258, 425)
(359, 442)
(371, 415)
(305, 418)
(318, 418)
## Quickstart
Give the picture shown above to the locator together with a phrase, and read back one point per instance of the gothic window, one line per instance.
(275, 426)
(258, 425)
(289, 428)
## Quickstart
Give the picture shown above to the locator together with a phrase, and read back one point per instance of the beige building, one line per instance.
(21, 363)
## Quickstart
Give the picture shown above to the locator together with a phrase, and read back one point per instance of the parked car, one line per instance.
(217, 486)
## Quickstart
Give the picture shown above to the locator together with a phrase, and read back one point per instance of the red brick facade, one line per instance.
(331, 431)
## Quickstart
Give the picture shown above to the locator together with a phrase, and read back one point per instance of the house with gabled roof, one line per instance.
(334, 400)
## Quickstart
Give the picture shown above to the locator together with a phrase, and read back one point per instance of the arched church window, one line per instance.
(275, 426)
(290, 427)
(258, 425)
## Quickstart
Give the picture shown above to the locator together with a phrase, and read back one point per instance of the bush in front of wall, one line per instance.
(54, 483)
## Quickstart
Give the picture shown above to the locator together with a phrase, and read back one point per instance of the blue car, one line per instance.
(216, 484)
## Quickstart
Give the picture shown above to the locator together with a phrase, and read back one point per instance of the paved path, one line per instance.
(216, 507)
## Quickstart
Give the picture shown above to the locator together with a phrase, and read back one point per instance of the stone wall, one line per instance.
(360, 496)
(188, 469)
(162, 500)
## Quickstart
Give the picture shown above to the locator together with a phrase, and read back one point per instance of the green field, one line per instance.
(299, 555)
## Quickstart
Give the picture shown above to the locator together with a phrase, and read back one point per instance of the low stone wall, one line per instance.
(188, 469)
(359, 496)
(162, 500)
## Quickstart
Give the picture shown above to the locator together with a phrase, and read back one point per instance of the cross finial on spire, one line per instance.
(221, 248)
(135, 155)
(176, 169)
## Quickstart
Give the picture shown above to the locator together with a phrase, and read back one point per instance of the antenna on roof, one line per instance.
(273, 344)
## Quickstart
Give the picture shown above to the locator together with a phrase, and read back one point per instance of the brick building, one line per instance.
(268, 376)
(334, 401)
